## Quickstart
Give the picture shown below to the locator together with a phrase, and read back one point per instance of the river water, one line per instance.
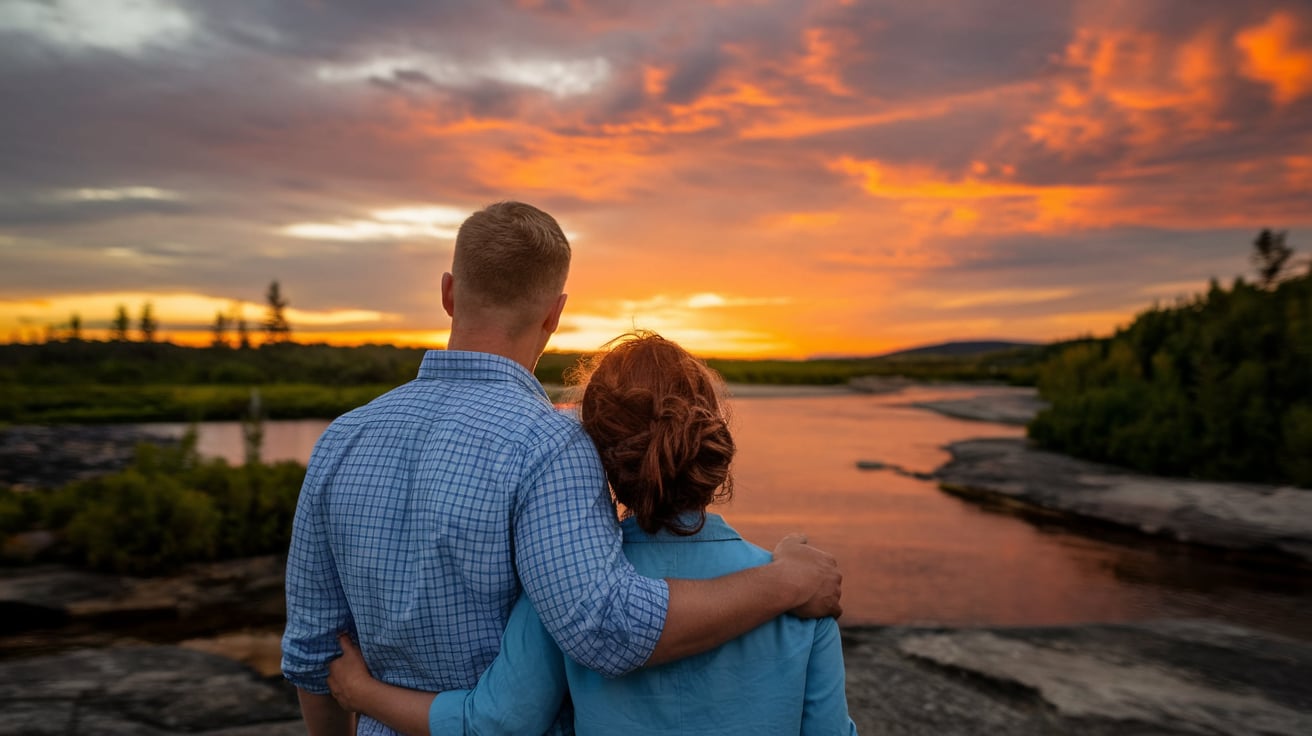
(912, 554)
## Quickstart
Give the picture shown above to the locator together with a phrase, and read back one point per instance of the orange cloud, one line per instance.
(821, 65)
(1273, 56)
(1135, 87)
(973, 204)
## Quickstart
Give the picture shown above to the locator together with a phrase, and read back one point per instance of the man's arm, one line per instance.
(323, 717)
(316, 605)
(704, 614)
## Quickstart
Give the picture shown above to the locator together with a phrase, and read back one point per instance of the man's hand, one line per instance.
(815, 575)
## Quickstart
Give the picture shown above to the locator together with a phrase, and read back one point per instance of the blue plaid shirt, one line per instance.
(426, 512)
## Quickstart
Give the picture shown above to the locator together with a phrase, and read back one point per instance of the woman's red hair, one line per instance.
(655, 414)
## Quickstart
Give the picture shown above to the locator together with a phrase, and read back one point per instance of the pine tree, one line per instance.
(1270, 255)
(118, 329)
(220, 329)
(148, 325)
(276, 327)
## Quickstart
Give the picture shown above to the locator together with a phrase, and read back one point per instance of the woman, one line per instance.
(656, 415)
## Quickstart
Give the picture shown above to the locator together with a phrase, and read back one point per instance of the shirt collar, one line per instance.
(463, 365)
(715, 530)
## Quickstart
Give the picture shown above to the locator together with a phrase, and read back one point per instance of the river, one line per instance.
(912, 554)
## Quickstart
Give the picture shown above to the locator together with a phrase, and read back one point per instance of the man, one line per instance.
(427, 512)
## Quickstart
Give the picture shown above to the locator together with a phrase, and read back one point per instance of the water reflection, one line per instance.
(912, 554)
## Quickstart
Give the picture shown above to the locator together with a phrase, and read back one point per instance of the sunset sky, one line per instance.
(749, 178)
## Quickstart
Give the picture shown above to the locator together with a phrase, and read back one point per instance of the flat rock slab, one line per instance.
(1233, 516)
(1002, 406)
(141, 690)
(48, 604)
(1171, 677)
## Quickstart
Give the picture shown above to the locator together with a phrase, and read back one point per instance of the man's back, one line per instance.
(420, 509)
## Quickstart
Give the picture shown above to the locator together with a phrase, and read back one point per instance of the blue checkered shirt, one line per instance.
(425, 513)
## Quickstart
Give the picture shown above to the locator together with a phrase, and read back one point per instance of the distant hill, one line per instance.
(957, 349)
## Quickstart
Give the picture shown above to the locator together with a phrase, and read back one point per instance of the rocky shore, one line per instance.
(1267, 522)
(1003, 405)
(1170, 677)
(50, 607)
(34, 456)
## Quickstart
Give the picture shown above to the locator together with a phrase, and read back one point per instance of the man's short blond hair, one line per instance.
(510, 255)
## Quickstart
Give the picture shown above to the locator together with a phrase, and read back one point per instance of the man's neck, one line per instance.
(523, 350)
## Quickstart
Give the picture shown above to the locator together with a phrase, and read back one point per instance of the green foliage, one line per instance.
(1016, 366)
(1217, 387)
(172, 507)
(153, 364)
(137, 524)
(18, 511)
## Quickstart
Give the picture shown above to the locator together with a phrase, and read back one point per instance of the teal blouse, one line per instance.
(785, 677)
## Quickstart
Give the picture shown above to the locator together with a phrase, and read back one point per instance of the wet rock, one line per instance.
(51, 456)
(879, 384)
(1002, 406)
(1268, 521)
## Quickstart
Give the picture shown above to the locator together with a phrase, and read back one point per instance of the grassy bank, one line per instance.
(93, 403)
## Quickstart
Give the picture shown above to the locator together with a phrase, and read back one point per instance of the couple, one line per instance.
(427, 514)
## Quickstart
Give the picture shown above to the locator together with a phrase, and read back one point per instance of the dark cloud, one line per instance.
(49, 211)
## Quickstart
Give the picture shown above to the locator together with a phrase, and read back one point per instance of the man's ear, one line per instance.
(448, 295)
(553, 317)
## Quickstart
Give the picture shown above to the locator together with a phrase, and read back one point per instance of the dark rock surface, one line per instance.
(1012, 405)
(1267, 521)
(50, 456)
(1168, 678)
(141, 690)
(47, 606)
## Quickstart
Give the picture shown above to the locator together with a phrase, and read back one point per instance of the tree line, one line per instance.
(1218, 386)
(229, 329)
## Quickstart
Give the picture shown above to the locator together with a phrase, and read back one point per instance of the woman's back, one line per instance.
(785, 677)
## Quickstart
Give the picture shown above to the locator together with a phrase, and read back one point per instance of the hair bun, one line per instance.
(653, 412)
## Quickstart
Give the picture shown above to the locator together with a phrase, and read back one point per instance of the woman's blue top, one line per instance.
(784, 677)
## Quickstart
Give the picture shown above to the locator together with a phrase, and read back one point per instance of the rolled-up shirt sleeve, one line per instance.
(568, 552)
(316, 605)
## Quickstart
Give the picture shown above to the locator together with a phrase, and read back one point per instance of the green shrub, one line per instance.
(134, 524)
(172, 507)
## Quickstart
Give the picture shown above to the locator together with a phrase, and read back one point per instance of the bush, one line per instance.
(172, 507)
(134, 524)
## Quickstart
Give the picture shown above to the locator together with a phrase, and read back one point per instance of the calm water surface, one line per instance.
(914, 555)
